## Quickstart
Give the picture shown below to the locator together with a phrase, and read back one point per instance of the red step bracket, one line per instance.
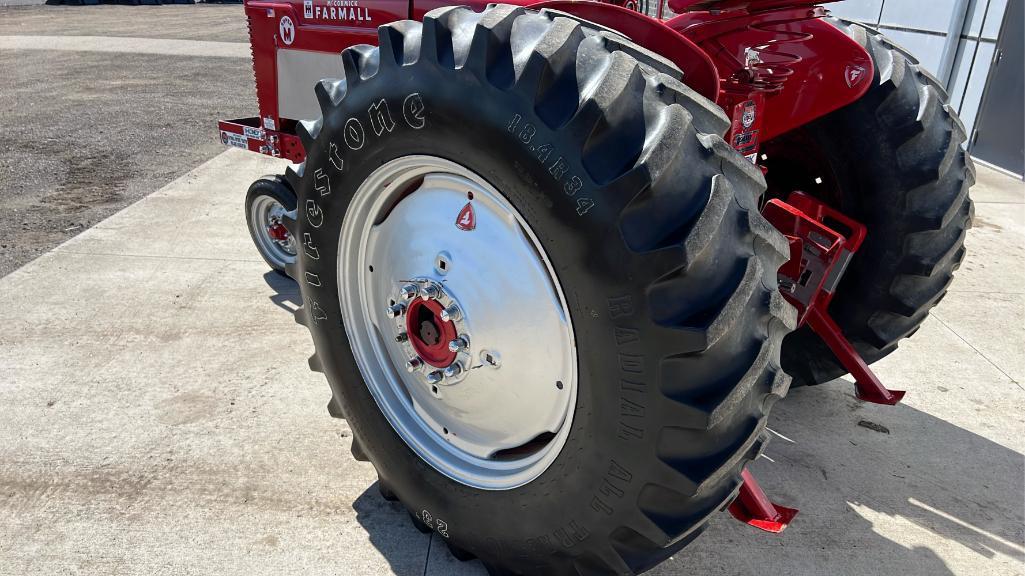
(822, 242)
(754, 508)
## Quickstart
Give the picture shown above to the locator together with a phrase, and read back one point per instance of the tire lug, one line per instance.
(396, 310)
(414, 364)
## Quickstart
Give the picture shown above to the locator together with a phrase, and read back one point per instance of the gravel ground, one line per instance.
(84, 134)
(224, 22)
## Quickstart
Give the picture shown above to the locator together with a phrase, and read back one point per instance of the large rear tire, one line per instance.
(894, 161)
(648, 223)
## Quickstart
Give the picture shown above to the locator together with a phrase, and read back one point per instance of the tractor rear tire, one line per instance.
(895, 156)
(649, 220)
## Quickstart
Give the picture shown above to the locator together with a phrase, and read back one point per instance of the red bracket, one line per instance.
(754, 508)
(822, 242)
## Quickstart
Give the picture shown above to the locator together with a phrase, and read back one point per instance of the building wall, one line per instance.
(921, 26)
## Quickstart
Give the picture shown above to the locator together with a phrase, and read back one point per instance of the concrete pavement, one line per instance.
(157, 417)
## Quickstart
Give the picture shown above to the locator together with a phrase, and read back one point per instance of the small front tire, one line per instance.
(268, 201)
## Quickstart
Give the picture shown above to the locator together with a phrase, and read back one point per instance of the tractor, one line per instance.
(559, 259)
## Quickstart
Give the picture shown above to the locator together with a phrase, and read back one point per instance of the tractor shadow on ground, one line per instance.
(882, 499)
(391, 533)
(286, 291)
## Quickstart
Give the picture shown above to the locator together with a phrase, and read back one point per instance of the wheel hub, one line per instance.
(433, 330)
(462, 333)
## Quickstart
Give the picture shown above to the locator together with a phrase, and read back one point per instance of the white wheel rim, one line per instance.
(502, 420)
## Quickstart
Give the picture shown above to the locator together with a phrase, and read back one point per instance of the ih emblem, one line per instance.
(466, 220)
(854, 74)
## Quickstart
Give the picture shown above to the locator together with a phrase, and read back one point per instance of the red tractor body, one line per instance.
(774, 65)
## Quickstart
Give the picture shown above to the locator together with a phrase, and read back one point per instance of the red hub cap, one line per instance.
(277, 232)
(429, 334)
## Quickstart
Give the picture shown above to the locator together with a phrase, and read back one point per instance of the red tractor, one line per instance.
(559, 260)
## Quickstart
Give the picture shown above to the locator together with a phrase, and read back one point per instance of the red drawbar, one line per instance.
(822, 242)
(754, 508)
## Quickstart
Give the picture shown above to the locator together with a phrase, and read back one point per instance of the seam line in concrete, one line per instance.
(977, 351)
(427, 560)
(153, 256)
(985, 292)
(134, 45)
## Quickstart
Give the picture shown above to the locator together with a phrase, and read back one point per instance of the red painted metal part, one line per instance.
(802, 74)
(822, 242)
(246, 133)
(754, 508)
(435, 353)
(797, 61)
(277, 232)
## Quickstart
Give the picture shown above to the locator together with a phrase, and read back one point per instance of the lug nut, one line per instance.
(414, 364)
(458, 345)
(396, 310)
(453, 370)
(450, 314)
(430, 291)
(435, 377)
(409, 291)
(401, 337)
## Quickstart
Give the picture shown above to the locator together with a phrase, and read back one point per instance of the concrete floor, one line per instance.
(157, 417)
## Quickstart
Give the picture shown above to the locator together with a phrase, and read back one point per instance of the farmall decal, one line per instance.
(336, 10)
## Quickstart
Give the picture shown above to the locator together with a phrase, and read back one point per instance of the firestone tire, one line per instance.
(668, 268)
(263, 192)
(896, 157)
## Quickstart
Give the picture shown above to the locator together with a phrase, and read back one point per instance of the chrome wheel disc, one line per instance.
(457, 322)
(271, 237)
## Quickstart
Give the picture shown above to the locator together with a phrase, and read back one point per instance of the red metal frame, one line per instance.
(754, 508)
(822, 242)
